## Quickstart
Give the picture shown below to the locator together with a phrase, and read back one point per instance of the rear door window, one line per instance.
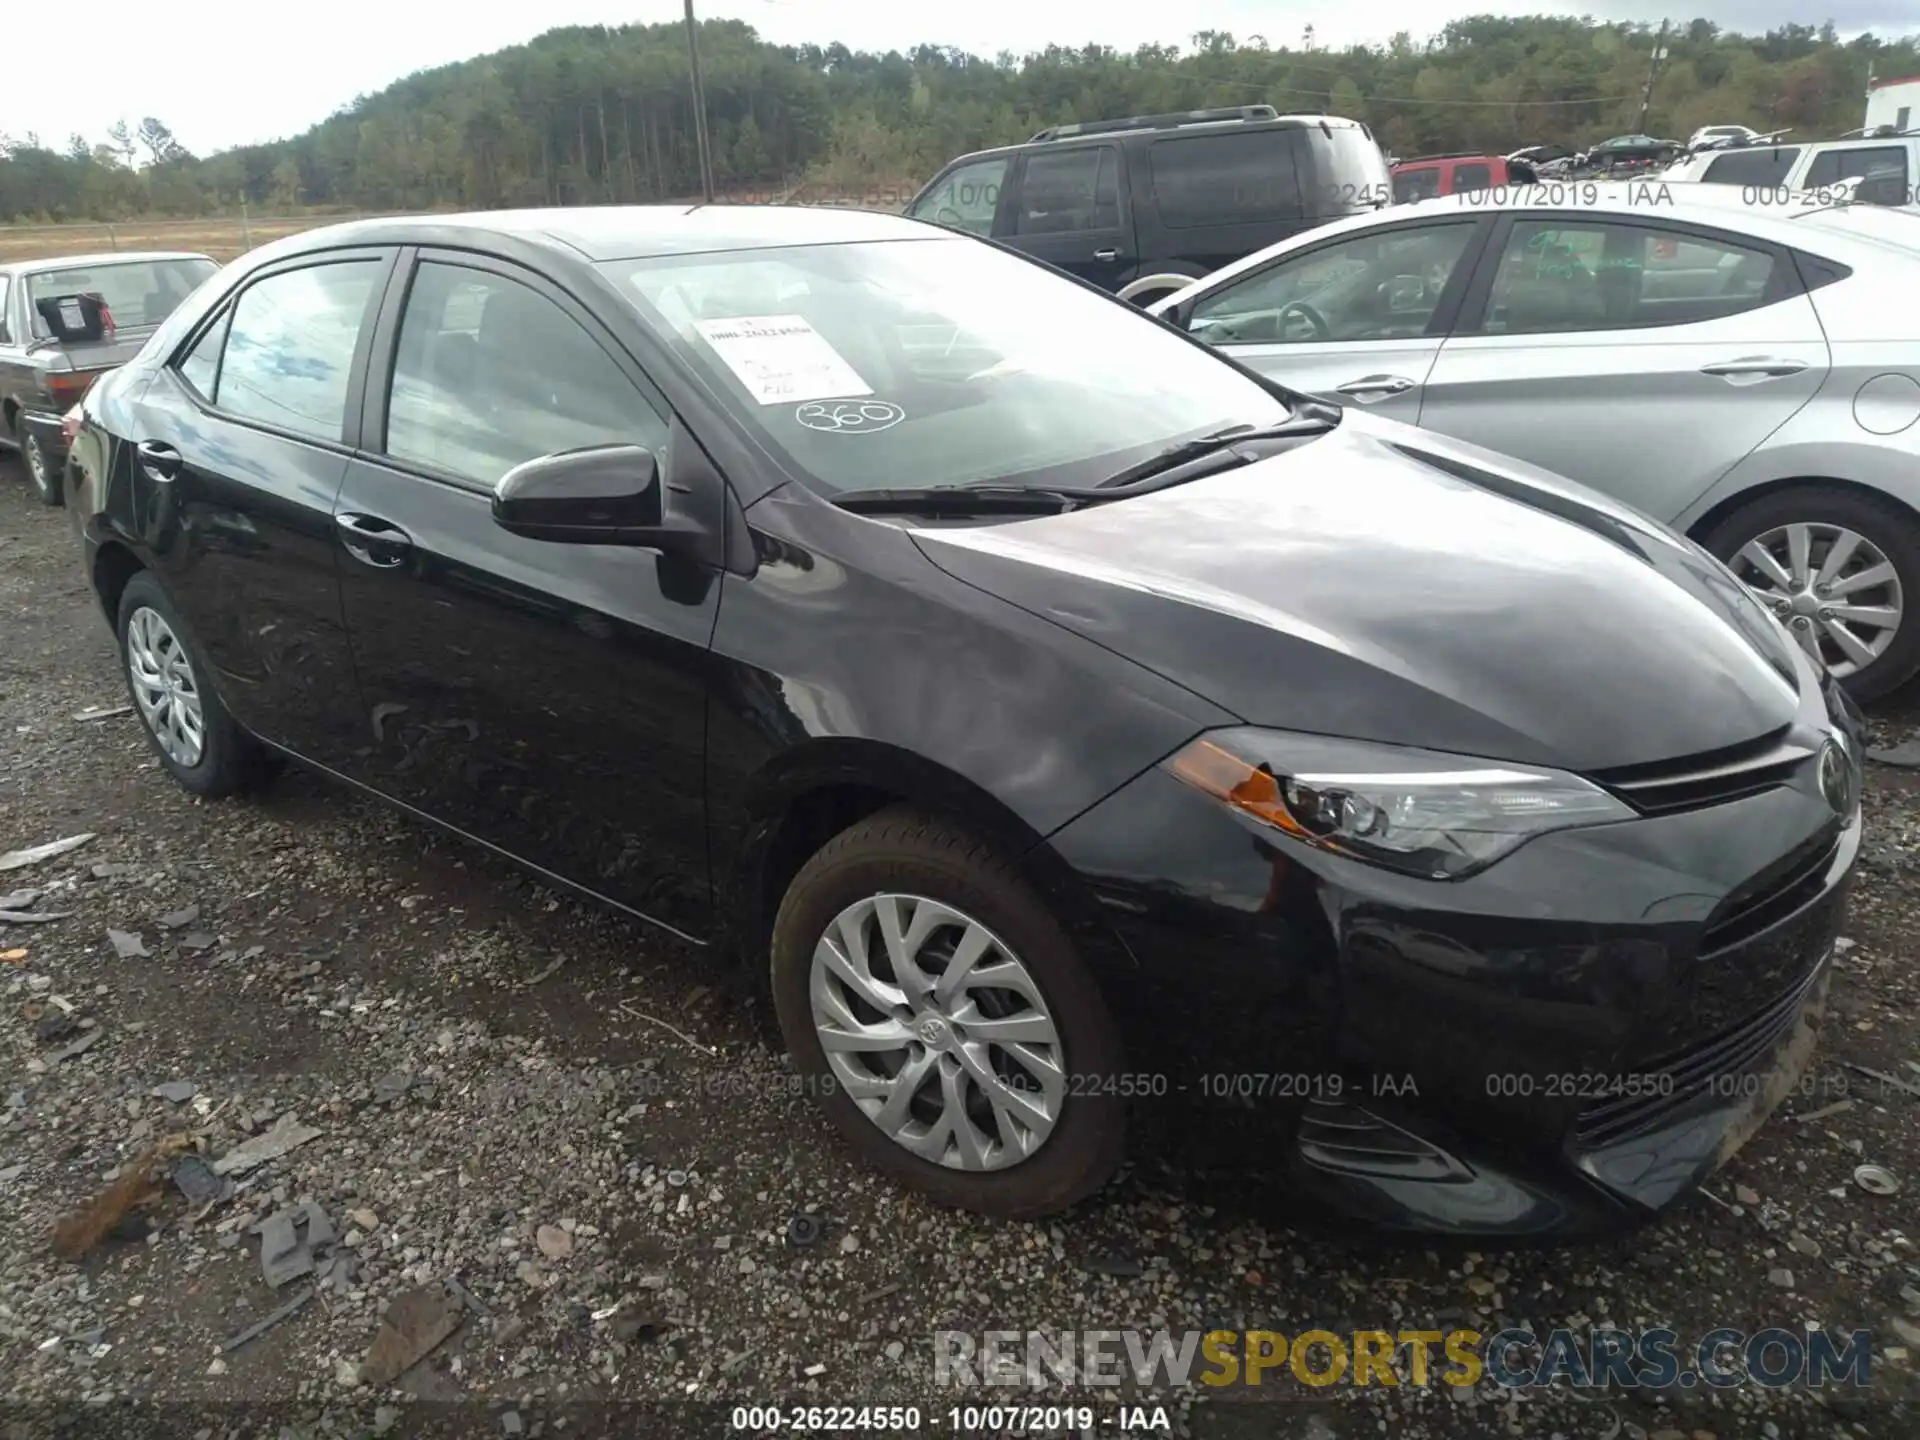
(1248, 177)
(1759, 169)
(1068, 190)
(1472, 176)
(1881, 170)
(1556, 278)
(290, 347)
(1412, 185)
(200, 366)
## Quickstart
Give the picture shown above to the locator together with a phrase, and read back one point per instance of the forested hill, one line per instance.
(592, 114)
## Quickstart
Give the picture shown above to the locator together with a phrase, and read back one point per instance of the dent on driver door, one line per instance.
(547, 698)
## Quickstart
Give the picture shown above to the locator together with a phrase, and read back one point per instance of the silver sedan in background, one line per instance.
(1745, 368)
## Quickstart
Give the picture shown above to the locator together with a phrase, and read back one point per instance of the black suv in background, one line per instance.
(1141, 206)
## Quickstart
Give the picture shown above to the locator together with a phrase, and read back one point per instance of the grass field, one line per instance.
(226, 237)
(223, 239)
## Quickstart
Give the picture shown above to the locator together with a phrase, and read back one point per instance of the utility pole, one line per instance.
(699, 107)
(1653, 75)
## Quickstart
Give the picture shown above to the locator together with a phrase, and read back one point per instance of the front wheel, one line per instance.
(1837, 567)
(952, 1033)
(40, 469)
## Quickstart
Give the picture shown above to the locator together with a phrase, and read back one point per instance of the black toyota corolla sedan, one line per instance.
(1055, 712)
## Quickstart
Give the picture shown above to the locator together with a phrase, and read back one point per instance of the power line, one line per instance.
(1414, 99)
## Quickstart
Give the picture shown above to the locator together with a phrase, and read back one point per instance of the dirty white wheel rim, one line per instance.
(938, 1032)
(1834, 589)
(164, 687)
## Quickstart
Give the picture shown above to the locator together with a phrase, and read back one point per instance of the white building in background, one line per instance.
(1895, 103)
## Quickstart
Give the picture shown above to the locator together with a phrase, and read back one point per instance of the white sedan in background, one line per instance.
(1743, 367)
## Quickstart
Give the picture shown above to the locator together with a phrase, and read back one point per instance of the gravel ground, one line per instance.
(502, 1101)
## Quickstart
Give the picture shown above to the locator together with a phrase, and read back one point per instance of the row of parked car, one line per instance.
(1060, 703)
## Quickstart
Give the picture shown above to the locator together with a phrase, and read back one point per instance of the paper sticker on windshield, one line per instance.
(781, 359)
(849, 417)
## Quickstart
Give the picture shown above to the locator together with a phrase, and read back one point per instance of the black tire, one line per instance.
(40, 469)
(904, 850)
(230, 759)
(1892, 530)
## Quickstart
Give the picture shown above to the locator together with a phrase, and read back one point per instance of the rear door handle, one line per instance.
(1369, 388)
(1749, 369)
(373, 541)
(161, 462)
(1107, 254)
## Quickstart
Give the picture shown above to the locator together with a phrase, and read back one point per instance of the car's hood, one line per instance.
(1388, 584)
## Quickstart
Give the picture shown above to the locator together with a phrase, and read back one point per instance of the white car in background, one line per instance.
(1712, 137)
(1748, 373)
(1885, 167)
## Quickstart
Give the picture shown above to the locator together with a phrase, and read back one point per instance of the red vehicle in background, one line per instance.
(1426, 176)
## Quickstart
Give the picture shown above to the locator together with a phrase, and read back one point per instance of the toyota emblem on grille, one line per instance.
(1836, 777)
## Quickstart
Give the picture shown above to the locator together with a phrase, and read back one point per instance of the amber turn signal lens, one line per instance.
(1225, 776)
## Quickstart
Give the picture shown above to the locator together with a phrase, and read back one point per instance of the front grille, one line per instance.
(1770, 897)
(1680, 1079)
(1713, 778)
(1353, 1141)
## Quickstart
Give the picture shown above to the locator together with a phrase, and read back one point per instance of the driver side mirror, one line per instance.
(606, 495)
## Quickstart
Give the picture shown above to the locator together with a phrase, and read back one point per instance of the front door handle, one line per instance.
(1369, 388)
(1751, 369)
(1108, 254)
(160, 461)
(373, 541)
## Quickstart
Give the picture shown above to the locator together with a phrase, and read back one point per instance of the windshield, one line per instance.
(138, 293)
(937, 362)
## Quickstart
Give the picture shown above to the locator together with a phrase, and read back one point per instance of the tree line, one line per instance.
(588, 115)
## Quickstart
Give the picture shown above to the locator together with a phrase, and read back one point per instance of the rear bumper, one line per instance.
(45, 426)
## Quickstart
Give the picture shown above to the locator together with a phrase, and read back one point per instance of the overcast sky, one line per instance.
(222, 72)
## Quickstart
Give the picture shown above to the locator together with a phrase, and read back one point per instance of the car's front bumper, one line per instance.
(1568, 1041)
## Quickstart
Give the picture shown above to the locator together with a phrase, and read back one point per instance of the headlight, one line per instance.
(1420, 812)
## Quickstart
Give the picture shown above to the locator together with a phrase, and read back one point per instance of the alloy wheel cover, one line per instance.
(938, 1032)
(165, 690)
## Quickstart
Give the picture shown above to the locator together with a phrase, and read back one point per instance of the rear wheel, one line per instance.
(952, 1033)
(197, 740)
(1837, 567)
(40, 469)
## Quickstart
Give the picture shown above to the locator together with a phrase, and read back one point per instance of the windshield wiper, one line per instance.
(1153, 473)
(1221, 442)
(967, 500)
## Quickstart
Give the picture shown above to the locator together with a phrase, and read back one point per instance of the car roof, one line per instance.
(98, 260)
(1296, 121)
(628, 232)
(1462, 157)
(1855, 142)
(1655, 197)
